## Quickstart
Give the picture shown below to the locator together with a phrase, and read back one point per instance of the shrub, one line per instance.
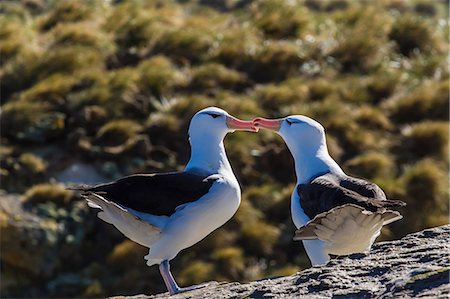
(213, 75)
(427, 101)
(117, 132)
(410, 33)
(260, 237)
(65, 12)
(279, 19)
(191, 43)
(230, 261)
(195, 272)
(426, 187)
(358, 45)
(33, 164)
(371, 165)
(372, 118)
(426, 139)
(236, 46)
(52, 90)
(382, 85)
(49, 193)
(82, 34)
(32, 122)
(66, 60)
(274, 96)
(282, 58)
(159, 75)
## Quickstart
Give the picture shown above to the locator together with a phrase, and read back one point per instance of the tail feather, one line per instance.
(127, 222)
(347, 229)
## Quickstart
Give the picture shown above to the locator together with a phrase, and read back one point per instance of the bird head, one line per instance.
(213, 120)
(296, 130)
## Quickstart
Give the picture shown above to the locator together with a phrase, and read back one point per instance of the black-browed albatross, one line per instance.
(335, 214)
(168, 212)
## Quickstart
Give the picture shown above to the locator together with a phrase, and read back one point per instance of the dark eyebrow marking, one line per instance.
(213, 115)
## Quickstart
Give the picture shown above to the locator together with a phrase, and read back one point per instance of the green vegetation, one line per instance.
(114, 84)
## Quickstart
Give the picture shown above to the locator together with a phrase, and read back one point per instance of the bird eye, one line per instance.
(289, 122)
(213, 115)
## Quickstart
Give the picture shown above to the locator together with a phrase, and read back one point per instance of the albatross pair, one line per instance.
(168, 212)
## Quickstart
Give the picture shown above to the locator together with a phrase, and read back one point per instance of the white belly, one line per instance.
(195, 221)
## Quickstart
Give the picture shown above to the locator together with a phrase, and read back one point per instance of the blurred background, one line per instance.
(95, 90)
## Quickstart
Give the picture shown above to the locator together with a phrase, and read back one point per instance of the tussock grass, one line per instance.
(426, 139)
(43, 193)
(412, 34)
(427, 101)
(215, 75)
(279, 19)
(117, 132)
(371, 165)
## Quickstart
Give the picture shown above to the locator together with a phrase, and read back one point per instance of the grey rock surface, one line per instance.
(417, 265)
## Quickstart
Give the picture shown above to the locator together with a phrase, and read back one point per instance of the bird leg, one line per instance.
(171, 284)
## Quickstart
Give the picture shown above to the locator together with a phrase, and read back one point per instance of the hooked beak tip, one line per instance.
(270, 124)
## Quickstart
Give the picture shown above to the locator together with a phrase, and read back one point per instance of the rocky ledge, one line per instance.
(416, 266)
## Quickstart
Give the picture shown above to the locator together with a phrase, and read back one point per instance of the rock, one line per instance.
(415, 266)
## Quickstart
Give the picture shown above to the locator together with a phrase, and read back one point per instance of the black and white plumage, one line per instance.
(168, 212)
(335, 214)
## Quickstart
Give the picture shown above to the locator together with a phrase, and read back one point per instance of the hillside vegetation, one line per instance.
(95, 90)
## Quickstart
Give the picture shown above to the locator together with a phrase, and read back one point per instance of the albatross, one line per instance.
(168, 212)
(335, 214)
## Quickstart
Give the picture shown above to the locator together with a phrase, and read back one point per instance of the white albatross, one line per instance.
(335, 214)
(168, 212)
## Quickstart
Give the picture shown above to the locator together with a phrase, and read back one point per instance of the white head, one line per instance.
(207, 130)
(213, 121)
(300, 132)
(306, 140)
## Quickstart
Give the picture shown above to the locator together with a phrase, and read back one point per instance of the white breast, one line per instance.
(298, 215)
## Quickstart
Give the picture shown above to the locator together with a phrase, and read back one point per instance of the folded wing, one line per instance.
(156, 194)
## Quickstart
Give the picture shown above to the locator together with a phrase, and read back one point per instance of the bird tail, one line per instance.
(125, 220)
(347, 229)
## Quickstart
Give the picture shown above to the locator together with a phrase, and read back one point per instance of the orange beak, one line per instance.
(270, 124)
(237, 124)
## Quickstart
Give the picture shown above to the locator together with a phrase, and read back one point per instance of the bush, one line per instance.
(274, 96)
(427, 101)
(230, 261)
(66, 60)
(31, 122)
(412, 33)
(426, 187)
(426, 139)
(117, 132)
(372, 118)
(159, 75)
(236, 46)
(188, 43)
(43, 193)
(213, 75)
(196, 272)
(359, 46)
(371, 165)
(82, 34)
(52, 90)
(283, 58)
(279, 19)
(66, 12)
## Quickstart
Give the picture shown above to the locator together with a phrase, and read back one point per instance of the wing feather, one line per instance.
(156, 194)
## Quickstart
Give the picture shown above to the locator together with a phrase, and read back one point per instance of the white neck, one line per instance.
(313, 161)
(208, 155)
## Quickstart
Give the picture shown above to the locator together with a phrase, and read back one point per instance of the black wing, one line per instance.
(156, 194)
(329, 191)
